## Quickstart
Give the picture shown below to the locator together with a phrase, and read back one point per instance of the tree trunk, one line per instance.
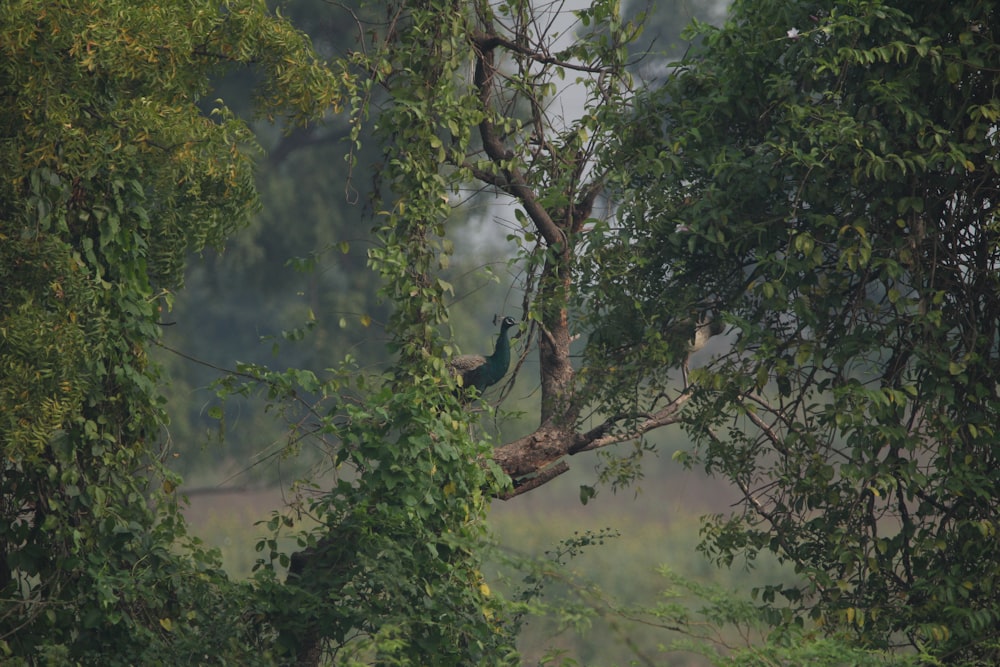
(553, 345)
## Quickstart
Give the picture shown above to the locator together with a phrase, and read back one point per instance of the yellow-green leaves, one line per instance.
(115, 170)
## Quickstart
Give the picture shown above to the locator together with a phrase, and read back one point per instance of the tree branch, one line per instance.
(537, 457)
(513, 181)
(602, 437)
(489, 42)
(543, 477)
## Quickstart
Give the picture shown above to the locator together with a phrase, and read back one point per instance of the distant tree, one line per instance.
(112, 175)
(290, 288)
(663, 38)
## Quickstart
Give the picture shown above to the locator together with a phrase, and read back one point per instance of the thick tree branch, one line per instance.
(543, 477)
(537, 458)
(513, 182)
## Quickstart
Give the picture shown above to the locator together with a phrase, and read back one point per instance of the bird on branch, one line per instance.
(475, 370)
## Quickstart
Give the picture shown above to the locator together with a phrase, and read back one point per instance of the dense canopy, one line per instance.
(825, 178)
(115, 168)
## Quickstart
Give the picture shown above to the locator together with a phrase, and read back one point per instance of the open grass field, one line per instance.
(657, 527)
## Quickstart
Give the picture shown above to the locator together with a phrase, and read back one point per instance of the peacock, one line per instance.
(475, 370)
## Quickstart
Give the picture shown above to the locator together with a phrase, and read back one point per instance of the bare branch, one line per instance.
(602, 437)
(512, 182)
(489, 42)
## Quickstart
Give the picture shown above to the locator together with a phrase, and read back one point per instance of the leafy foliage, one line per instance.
(390, 573)
(824, 178)
(411, 466)
(112, 175)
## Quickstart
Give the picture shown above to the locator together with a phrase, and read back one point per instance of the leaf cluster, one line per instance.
(824, 179)
(112, 174)
(388, 567)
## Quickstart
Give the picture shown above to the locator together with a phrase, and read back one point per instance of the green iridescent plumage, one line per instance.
(475, 370)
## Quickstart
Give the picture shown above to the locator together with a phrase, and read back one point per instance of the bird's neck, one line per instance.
(501, 352)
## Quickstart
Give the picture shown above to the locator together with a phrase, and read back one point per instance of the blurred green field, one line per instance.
(658, 527)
